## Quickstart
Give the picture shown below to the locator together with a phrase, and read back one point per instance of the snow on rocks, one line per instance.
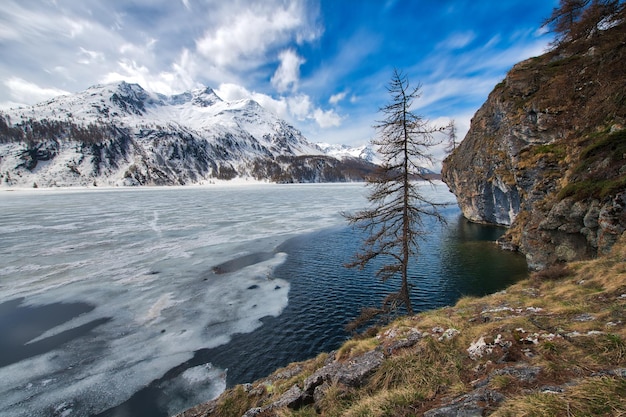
(486, 346)
(448, 334)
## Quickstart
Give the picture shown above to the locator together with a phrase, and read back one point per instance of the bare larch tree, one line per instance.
(578, 19)
(394, 223)
(452, 138)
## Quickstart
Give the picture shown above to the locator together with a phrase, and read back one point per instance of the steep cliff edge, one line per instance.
(546, 153)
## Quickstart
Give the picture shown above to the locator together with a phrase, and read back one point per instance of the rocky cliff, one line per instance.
(546, 153)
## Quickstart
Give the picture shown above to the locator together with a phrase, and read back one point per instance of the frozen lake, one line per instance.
(130, 301)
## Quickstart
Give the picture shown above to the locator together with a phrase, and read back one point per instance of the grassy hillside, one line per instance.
(551, 345)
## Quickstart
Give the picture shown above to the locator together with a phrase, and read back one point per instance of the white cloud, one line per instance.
(300, 106)
(75, 27)
(457, 88)
(231, 92)
(494, 41)
(220, 43)
(129, 49)
(457, 40)
(336, 98)
(180, 76)
(295, 108)
(88, 57)
(302, 109)
(354, 131)
(29, 23)
(326, 118)
(26, 92)
(288, 73)
(247, 34)
(185, 70)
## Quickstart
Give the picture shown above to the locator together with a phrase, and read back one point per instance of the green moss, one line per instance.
(612, 145)
(555, 149)
(598, 189)
(598, 172)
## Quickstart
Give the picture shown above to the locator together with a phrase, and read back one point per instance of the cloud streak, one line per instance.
(24, 91)
(323, 66)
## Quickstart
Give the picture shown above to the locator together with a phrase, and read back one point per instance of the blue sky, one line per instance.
(322, 65)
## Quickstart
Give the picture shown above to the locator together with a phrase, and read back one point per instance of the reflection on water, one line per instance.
(473, 264)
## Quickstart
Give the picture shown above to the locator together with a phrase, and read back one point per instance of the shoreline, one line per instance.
(221, 184)
(236, 183)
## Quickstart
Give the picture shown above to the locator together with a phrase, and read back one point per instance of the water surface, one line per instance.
(144, 302)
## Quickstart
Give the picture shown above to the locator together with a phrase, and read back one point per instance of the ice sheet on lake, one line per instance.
(144, 258)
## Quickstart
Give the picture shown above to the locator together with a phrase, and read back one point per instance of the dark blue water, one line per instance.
(456, 260)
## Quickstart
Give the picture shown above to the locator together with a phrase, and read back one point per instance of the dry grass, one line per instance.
(234, 402)
(432, 367)
(388, 403)
(600, 396)
(354, 347)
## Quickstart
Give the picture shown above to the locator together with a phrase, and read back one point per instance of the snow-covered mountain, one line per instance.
(120, 134)
(365, 152)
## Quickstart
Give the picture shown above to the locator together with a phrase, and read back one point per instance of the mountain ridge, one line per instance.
(120, 134)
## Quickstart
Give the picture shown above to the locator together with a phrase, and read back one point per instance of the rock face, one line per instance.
(546, 153)
(350, 374)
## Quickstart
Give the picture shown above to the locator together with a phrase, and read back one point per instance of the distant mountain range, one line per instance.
(365, 152)
(120, 134)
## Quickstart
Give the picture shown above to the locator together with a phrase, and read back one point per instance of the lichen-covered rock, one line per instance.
(468, 405)
(292, 398)
(352, 372)
(546, 153)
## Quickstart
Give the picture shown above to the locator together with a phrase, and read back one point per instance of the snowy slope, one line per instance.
(200, 110)
(365, 152)
(120, 134)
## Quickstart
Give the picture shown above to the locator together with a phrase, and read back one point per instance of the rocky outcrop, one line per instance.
(352, 373)
(546, 153)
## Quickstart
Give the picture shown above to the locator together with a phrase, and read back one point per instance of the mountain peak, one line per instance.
(118, 86)
(121, 134)
(365, 152)
(131, 98)
(205, 97)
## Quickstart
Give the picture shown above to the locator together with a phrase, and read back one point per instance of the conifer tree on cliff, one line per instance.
(394, 223)
(578, 19)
